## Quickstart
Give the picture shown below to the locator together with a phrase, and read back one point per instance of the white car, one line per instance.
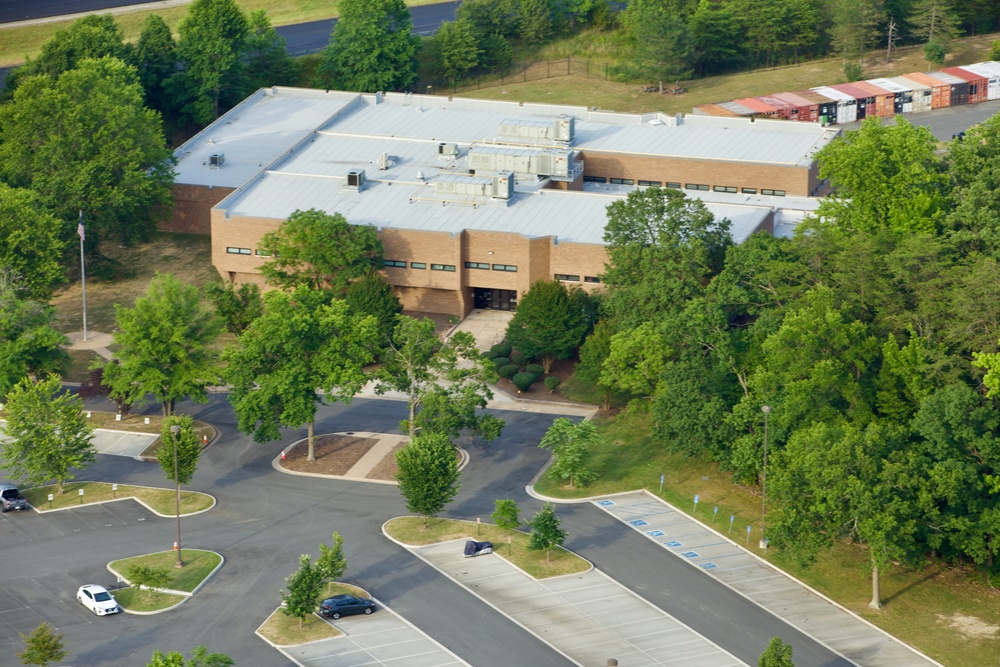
(98, 600)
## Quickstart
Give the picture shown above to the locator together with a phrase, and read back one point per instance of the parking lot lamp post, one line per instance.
(175, 431)
(766, 409)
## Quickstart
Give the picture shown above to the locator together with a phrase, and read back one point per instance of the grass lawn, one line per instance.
(161, 500)
(941, 611)
(198, 564)
(285, 630)
(411, 530)
(136, 600)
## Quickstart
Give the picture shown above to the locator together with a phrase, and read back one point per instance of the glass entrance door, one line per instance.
(494, 299)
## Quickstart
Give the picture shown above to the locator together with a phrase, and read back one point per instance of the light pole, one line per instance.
(766, 409)
(174, 431)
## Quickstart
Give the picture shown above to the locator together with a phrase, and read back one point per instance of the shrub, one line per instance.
(524, 380)
(508, 371)
(518, 358)
(500, 362)
(551, 382)
(535, 369)
(502, 349)
(490, 354)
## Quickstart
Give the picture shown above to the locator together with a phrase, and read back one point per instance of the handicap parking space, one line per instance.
(579, 615)
(122, 443)
(384, 638)
(787, 598)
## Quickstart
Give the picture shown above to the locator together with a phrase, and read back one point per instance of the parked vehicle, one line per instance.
(345, 605)
(97, 599)
(11, 498)
(473, 548)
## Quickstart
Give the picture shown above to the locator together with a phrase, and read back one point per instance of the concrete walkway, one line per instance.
(386, 442)
(587, 617)
(718, 556)
(488, 327)
(96, 341)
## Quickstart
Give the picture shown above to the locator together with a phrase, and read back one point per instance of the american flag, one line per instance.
(79, 228)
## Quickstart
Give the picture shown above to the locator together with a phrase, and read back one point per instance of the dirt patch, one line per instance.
(335, 454)
(386, 468)
(970, 626)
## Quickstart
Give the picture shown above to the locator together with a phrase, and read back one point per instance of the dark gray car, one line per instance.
(345, 605)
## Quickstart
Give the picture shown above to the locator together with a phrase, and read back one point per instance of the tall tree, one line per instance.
(84, 141)
(506, 514)
(716, 35)
(304, 586)
(321, 251)
(535, 21)
(29, 343)
(164, 346)
(659, 34)
(546, 532)
(267, 59)
(31, 242)
(373, 295)
(934, 21)
(570, 444)
(635, 360)
(593, 353)
(332, 563)
(427, 474)
(237, 306)
(48, 436)
(42, 646)
(155, 58)
(302, 352)
(884, 176)
(457, 48)
(211, 49)
(855, 26)
(371, 48)
(445, 382)
(188, 449)
(550, 322)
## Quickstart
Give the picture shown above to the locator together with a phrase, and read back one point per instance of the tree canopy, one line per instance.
(427, 474)
(550, 322)
(29, 341)
(371, 48)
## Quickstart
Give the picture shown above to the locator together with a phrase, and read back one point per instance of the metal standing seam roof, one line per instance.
(737, 108)
(796, 100)
(813, 96)
(948, 78)
(965, 74)
(927, 79)
(853, 91)
(757, 105)
(890, 85)
(912, 84)
(834, 94)
(988, 69)
(872, 89)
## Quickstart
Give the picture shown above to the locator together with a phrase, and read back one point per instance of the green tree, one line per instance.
(164, 346)
(42, 646)
(146, 579)
(29, 343)
(535, 21)
(304, 586)
(371, 48)
(267, 59)
(321, 251)
(445, 382)
(550, 322)
(777, 654)
(570, 444)
(428, 474)
(48, 436)
(188, 448)
(716, 34)
(884, 176)
(303, 351)
(238, 307)
(211, 50)
(31, 242)
(545, 531)
(855, 27)
(935, 53)
(84, 141)
(155, 58)
(594, 351)
(373, 295)
(332, 563)
(200, 657)
(506, 514)
(934, 21)
(659, 35)
(458, 49)
(635, 360)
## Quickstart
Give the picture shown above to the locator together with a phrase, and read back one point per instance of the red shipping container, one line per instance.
(885, 100)
(758, 107)
(807, 110)
(978, 84)
(940, 90)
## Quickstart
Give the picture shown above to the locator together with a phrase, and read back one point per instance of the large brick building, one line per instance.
(474, 200)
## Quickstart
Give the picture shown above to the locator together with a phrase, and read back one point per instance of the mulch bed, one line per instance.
(335, 454)
(561, 368)
(386, 468)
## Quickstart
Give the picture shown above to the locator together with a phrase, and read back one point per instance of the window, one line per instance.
(695, 186)
(749, 191)
(591, 279)
(776, 193)
(566, 277)
(671, 184)
(724, 188)
(261, 253)
(418, 265)
(395, 263)
(504, 267)
(594, 179)
(442, 267)
(623, 181)
(477, 265)
(655, 184)
(238, 251)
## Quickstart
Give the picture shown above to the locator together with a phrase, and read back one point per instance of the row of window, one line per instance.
(496, 267)
(246, 251)
(399, 264)
(570, 278)
(687, 186)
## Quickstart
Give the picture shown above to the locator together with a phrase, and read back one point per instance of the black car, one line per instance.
(345, 605)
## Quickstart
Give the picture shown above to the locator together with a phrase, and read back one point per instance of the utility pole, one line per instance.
(766, 409)
(174, 431)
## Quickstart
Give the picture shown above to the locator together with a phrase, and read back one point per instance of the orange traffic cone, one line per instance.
(283, 457)
(175, 546)
(204, 439)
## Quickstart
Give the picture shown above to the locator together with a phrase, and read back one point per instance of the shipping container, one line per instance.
(806, 110)
(827, 107)
(959, 87)
(992, 74)
(940, 89)
(885, 100)
(786, 111)
(920, 92)
(978, 84)
(903, 102)
(758, 107)
(737, 108)
(865, 100)
(847, 106)
(712, 110)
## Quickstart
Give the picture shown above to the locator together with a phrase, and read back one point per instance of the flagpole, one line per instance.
(83, 273)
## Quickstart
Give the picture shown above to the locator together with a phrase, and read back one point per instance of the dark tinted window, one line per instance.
(10, 494)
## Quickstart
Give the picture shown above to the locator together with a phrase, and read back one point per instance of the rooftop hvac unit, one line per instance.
(447, 150)
(383, 161)
(356, 179)
(564, 129)
(216, 160)
(503, 185)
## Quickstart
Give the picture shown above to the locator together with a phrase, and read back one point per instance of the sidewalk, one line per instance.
(96, 341)
(757, 580)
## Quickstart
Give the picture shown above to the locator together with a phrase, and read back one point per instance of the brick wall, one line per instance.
(192, 208)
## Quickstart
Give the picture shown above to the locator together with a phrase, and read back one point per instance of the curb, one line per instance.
(215, 501)
(184, 595)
